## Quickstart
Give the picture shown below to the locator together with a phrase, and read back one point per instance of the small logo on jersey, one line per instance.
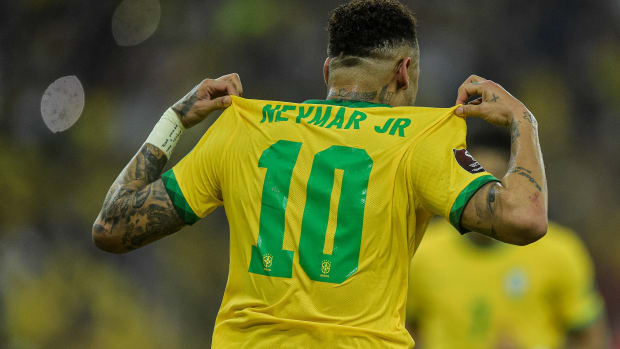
(326, 267)
(267, 261)
(516, 283)
(466, 161)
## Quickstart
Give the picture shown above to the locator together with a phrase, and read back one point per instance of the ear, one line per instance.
(326, 70)
(402, 75)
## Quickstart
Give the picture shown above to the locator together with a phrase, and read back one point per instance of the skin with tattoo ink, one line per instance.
(391, 79)
(137, 209)
(515, 209)
(144, 210)
(343, 93)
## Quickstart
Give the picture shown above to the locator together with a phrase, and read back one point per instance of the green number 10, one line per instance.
(268, 256)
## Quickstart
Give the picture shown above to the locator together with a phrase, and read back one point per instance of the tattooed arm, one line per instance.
(515, 210)
(137, 209)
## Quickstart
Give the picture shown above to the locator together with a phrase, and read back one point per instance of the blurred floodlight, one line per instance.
(62, 103)
(135, 21)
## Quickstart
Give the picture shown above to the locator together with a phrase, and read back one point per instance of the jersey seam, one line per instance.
(226, 149)
(416, 144)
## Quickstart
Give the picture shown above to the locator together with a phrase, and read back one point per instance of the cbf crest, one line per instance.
(516, 283)
(326, 267)
(267, 261)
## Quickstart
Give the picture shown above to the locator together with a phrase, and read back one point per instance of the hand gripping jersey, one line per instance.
(531, 296)
(327, 202)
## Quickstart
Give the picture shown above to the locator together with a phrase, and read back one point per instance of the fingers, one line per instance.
(472, 80)
(476, 101)
(221, 102)
(235, 80)
(206, 106)
(470, 110)
(467, 90)
(217, 88)
(215, 94)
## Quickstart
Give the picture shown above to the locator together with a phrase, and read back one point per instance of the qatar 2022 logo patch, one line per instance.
(466, 161)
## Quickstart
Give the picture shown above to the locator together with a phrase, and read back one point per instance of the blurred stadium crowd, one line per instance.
(561, 57)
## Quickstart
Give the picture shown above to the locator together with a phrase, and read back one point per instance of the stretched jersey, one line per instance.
(326, 202)
(529, 295)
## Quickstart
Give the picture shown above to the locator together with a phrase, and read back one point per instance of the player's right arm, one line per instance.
(138, 208)
(515, 209)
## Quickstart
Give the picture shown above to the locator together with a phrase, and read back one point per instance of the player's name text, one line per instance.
(330, 117)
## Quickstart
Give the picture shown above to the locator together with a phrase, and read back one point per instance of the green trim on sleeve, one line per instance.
(178, 200)
(590, 314)
(595, 315)
(466, 194)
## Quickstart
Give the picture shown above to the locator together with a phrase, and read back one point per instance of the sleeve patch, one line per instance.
(466, 161)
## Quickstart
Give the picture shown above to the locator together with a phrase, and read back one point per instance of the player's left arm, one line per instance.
(137, 209)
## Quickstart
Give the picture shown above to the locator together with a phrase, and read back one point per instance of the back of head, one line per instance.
(370, 29)
(369, 40)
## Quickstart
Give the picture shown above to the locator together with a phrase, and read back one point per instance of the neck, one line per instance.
(382, 95)
(370, 84)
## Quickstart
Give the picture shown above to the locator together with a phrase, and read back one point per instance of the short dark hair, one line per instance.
(360, 27)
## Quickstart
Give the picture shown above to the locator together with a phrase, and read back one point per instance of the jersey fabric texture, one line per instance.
(463, 295)
(326, 202)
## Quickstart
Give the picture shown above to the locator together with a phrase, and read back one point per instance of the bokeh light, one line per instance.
(62, 103)
(135, 21)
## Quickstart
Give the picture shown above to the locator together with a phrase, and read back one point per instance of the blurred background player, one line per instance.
(476, 292)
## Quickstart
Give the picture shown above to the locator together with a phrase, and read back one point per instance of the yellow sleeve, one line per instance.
(194, 184)
(579, 303)
(444, 175)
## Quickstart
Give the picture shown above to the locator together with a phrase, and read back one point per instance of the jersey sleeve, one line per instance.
(444, 175)
(194, 183)
(579, 303)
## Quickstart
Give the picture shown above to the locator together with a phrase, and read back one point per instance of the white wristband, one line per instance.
(166, 132)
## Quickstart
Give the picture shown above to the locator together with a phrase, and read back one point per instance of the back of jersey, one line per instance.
(326, 201)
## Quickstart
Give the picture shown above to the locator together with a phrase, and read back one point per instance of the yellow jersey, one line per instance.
(463, 295)
(326, 202)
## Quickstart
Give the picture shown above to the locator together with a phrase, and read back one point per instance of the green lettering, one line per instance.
(284, 110)
(400, 125)
(355, 120)
(385, 127)
(343, 261)
(302, 114)
(338, 119)
(268, 112)
(319, 119)
(268, 257)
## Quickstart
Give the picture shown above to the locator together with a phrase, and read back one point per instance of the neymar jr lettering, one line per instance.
(344, 118)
